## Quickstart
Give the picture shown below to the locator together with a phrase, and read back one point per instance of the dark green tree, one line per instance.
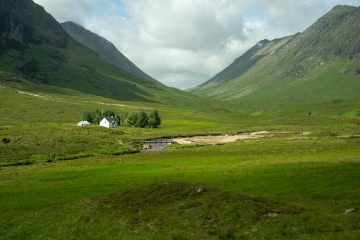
(142, 120)
(154, 119)
(123, 119)
(108, 113)
(118, 120)
(97, 117)
(87, 116)
(131, 120)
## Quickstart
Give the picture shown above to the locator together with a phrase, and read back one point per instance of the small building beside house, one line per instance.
(108, 122)
(83, 123)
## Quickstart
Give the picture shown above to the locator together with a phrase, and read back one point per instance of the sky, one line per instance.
(183, 43)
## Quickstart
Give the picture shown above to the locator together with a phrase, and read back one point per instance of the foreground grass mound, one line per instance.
(169, 210)
(199, 212)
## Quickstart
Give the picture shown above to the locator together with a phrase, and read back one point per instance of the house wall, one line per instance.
(104, 123)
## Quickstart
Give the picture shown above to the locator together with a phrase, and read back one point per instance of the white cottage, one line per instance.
(83, 123)
(108, 122)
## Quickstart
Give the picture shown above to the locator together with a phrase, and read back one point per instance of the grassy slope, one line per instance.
(326, 84)
(44, 125)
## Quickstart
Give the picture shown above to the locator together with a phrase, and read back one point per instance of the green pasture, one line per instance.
(43, 128)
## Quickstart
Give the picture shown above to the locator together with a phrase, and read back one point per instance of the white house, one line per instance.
(83, 123)
(108, 122)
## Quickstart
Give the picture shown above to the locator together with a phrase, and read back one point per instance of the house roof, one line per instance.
(84, 122)
(109, 119)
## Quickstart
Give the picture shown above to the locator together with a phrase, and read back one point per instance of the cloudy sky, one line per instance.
(183, 43)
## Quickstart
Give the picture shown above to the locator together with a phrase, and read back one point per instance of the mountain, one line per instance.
(36, 52)
(105, 49)
(318, 65)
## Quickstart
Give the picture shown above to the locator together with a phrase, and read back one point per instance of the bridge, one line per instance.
(153, 141)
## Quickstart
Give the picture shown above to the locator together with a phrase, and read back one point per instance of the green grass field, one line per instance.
(286, 185)
(308, 182)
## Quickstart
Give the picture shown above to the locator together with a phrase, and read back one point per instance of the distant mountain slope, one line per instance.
(35, 48)
(320, 64)
(105, 49)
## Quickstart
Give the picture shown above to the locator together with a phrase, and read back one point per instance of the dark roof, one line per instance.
(110, 119)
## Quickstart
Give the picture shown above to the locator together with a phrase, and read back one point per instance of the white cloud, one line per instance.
(183, 43)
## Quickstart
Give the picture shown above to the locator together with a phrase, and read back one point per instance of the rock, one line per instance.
(270, 214)
(345, 70)
(18, 33)
(351, 210)
(55, 64)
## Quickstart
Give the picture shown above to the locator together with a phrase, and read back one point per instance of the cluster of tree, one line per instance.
(142, 120)
(138, 119)
(96, 116)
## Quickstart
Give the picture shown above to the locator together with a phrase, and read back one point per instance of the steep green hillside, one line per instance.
(106, 50)
(319, 65)
(35, 48)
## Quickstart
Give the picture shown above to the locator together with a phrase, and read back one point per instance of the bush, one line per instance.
(123, 151)
(18, 163)
(76, 156)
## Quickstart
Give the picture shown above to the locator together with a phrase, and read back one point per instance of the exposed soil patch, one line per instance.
(30, 94)
(152, 146)
(220, 139)
(118, 105)
(22, 92)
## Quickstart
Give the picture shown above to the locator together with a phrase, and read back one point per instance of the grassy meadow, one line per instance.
(286, 185)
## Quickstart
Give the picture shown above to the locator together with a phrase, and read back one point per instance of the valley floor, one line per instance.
(299, 179)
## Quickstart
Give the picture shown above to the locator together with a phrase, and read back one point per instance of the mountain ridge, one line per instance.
(286, 66)
(36, 51)
(104, 48)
